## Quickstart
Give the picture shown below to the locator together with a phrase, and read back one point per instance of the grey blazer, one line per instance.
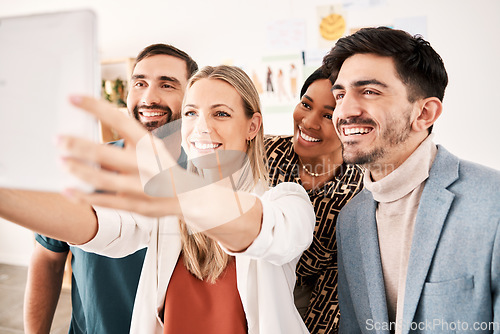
(453, 278)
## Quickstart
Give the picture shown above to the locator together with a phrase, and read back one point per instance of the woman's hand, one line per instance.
(213, 207)
(115, 172)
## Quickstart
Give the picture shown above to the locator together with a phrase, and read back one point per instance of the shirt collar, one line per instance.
(404, 179)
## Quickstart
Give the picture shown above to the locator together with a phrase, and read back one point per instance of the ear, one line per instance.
(429, 111)
(254, 126)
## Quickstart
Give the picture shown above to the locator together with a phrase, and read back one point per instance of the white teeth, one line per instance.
(356, 131)
(203, 146)
(152, 113)
(307, 138)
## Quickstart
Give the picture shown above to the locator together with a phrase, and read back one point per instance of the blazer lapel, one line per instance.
(433, 209)
(370, 257)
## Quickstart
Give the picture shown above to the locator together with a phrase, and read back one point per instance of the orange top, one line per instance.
(196, 306)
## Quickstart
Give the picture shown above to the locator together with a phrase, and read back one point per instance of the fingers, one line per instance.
(141, 204)
(107, 156)
(103, 179)
(129, 129)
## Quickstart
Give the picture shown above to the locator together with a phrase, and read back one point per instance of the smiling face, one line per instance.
(213, 118)
(157, 88)
(314, 134)
(373, 116)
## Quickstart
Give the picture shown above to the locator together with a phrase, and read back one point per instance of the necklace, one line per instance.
(311, 173)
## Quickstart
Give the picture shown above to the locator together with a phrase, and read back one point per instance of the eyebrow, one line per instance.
(221, 105)
(308, 97)
(361, 83)
(213, 106)
(160, 78)
(325, 106)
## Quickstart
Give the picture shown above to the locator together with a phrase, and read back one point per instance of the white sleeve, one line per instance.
(287, 225)
(120, 233)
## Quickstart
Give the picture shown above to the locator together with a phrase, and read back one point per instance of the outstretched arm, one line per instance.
(212, 207)
(50, 214)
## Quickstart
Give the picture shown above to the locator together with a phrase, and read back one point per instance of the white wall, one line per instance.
(17, 244)
(465, 33)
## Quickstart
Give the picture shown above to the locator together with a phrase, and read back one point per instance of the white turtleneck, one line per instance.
(398, 195)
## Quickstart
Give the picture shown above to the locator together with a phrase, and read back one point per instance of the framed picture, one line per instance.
(115, 78)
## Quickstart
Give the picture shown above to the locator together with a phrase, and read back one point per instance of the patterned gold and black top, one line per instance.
(317, 267)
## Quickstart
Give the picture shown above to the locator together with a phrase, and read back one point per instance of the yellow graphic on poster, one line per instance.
(332, 27)
(332, 23)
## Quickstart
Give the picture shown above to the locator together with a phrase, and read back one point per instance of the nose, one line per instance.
(347, 107)
(151, 96)
(311, 121)
(202, 126)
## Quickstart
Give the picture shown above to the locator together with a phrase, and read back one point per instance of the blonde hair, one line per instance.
(203, 257)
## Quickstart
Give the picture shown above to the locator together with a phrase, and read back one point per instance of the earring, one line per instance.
(248, 142)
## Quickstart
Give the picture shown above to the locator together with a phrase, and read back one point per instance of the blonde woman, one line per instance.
(222, 257)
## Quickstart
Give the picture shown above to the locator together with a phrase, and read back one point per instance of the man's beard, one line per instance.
(154, 124)
(363, 158)
(395, 135)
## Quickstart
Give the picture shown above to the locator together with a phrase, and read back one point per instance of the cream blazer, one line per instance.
(265, 271)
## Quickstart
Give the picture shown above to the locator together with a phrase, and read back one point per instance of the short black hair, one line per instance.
(169, 50)
(417, 64)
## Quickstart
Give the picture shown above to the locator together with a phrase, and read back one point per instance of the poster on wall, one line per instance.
(286, 35)
(331, 25)
(278, 80)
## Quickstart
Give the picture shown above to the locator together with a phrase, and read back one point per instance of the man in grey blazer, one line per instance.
(419, 247)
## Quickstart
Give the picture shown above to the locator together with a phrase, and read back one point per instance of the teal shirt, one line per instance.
(103, 289)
